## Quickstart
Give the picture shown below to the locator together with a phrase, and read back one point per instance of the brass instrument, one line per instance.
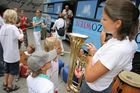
(76, 41)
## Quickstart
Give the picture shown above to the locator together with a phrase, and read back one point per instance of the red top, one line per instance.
(22, 22)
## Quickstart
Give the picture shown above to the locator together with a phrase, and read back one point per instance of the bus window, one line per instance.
(86, 9)
(50, 8)
(100, 10)
(45, 8)
(57, 8)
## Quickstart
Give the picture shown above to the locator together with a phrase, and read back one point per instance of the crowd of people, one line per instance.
(120, 25)
(37, 61)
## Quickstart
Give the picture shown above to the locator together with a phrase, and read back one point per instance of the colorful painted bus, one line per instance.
(87, 16)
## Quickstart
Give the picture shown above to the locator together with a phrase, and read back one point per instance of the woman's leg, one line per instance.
(37, 37)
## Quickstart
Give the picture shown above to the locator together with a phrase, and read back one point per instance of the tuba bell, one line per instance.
(76, 41)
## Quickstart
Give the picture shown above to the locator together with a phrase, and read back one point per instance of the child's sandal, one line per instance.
(4, 86)
(13, 88)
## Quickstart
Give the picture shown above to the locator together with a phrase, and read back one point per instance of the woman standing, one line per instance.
(120, 18)
(59, 23)
(38, 22)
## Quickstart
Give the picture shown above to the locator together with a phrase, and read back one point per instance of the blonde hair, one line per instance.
(51, 43)
(10, 16)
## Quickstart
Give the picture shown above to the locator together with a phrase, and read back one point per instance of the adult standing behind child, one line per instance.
(39, 62)
(9, 36)
(68, 15)
(23, 23)
(59, 23)
(38, 23)
(120, 18)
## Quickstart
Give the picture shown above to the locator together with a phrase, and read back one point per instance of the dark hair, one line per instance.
(32, 47)
(35, 73)
(128, 13)
(60, 15)
(38, 10)
(3, 8)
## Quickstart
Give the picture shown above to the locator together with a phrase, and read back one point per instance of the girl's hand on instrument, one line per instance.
(91, 49)
(78, 72)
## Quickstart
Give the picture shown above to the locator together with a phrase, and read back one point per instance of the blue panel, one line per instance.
(93, 29)
(86, 9)
(52, 1)
(50, 9)
(100, 10)
(90, 28)
(138, 41)
(53, 17)
(49, 1)
(57, 8)
(45, 8)
(99, 13)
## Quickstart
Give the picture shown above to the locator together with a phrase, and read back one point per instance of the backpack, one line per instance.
(61, 31)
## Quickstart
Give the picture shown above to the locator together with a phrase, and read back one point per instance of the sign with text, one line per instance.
(89, 28)
(138, 41)
(93, 29)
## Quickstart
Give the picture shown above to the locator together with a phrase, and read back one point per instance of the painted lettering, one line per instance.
(99, 28)
(94, 26)
(137, 38)
(83, 24)
(89, 25)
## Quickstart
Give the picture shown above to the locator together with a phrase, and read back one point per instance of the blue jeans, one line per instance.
(86, 89)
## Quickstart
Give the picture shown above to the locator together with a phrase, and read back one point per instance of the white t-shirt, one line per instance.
(59, 23)
(9, 35)
(39, 85)
(116, 56)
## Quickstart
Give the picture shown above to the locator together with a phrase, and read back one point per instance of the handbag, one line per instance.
(61, 31)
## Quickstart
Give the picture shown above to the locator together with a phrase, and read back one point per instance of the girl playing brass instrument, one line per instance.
(120, 18)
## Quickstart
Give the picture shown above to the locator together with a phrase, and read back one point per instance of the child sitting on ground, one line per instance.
(39, 62)
(50, 44)
(30, 50)
(23, 60)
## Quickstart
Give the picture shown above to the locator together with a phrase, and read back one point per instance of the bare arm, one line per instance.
(93, 72)
(34, 24)
(54, 26)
